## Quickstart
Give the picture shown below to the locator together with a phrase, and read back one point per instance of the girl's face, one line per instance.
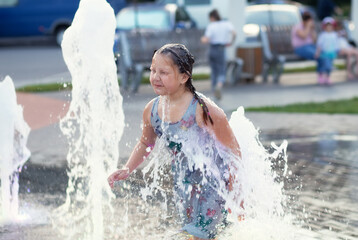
(165, 77)
(328, 27)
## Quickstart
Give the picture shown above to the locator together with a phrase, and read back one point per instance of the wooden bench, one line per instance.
(136, 49)
(272, 61)
(277, 50)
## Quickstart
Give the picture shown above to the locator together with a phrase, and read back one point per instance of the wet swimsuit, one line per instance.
(196, 179)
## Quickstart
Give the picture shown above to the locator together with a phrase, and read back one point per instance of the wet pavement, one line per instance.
(327, 169)
(321, 190)
(322, 157)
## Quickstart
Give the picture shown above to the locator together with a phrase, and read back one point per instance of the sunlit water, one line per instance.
(94, 123)
(279, 201)
(13, 151)
(94, 126)
(320, 189)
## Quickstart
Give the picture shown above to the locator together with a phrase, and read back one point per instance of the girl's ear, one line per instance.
(184, 78)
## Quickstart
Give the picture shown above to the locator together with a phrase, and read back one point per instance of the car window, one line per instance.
(257, 17)
(197, 2)
(273, 17)
(284, 18)
(181, 15)
(187, 2)
(8, 3)
(152, 19)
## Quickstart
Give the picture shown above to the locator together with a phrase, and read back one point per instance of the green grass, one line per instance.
(311, 69)
(51, 87)
(46, 87)
(199, 76)
(347, 106)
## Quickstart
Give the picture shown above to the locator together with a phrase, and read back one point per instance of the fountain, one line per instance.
(143, 207)
(94, 122)
(94, 126)
(13, 151)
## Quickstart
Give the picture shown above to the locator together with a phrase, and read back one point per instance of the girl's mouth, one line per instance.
(157, 85)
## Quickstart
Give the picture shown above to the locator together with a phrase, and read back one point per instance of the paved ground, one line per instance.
(43, 110)
(322, 153)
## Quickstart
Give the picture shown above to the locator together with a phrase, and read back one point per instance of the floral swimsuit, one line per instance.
(197, 197)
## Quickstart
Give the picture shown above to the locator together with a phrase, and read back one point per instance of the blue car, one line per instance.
(152, 16)
(40, 18)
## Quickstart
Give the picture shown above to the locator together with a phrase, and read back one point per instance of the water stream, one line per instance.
(278, 204)
(94, 123)
(14, 132)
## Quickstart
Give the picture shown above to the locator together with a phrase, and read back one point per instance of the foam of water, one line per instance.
(94, 123)
(262, 191)
(256, 182)
(14, 132)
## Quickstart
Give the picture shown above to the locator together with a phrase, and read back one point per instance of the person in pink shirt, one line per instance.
(303, 37)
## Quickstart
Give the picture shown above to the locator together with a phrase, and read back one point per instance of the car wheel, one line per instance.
(59, 35)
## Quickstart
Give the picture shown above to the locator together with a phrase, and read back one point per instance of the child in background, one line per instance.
(327, 48)
(186, 120)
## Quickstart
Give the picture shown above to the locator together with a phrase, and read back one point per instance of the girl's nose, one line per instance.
(155, 75)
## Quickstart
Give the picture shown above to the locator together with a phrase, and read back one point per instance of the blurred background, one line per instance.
(34, 29)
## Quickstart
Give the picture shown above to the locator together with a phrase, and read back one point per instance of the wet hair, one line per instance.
(215, 14)
(182, 58)
(306, 16)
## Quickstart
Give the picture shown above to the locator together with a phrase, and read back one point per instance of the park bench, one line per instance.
(277, 49)
(136, 49)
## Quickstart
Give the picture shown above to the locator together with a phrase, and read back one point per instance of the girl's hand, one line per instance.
(118, 175)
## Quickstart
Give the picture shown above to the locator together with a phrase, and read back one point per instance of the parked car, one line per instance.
(40, 18)
(152, 16)
(269, 15)
(199, 9)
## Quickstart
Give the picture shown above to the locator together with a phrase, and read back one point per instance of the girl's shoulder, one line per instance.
(216, 113)
(148, 109)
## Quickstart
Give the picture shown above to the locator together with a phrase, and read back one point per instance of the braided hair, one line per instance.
(181, 57)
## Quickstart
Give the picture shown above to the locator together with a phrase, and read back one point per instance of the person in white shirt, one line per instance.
(327, 49)
(219, 34)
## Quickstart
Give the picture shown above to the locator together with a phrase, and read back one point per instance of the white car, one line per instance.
(269, 15)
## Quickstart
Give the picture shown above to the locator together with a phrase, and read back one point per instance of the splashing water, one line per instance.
(260, 187)
(256, 183)
(13, 151)
(94, 123)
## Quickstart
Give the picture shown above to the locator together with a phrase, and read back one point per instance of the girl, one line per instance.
(326, 52)
(186, 120)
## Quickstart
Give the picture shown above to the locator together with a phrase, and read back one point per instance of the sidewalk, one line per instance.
(42, 111)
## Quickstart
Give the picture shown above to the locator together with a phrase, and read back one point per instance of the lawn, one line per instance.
(50, 87)
(345, 106)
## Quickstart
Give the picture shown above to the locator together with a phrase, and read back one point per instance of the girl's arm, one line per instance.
(140, 151)
(314, 35)
(224, 134)
(319, 44)
(220, 129)
(317, 53)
